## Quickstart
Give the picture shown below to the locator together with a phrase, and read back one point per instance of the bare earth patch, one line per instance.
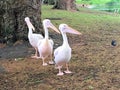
(94, 61)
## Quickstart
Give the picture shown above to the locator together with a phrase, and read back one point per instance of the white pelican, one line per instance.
(62, 54)
(33, 38)
(45, 46)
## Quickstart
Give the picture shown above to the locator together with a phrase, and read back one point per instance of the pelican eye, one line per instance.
(47, 23)
(64, 27)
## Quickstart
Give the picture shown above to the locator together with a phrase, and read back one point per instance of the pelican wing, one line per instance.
(34, 38)
(57, 51)
(39, 42)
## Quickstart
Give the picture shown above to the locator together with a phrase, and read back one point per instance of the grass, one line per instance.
(84, 18)
(94, 61)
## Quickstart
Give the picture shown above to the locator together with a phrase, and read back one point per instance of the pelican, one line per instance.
(45, 46)
(33, 38)
(62, 54)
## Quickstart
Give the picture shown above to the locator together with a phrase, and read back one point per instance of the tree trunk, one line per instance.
(50, 2)
(12, 14)
(65, 4)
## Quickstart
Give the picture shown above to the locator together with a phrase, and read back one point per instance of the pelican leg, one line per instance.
(60, 72)
(44, 64)
(67, 69)
(51, 62)
(36, 53)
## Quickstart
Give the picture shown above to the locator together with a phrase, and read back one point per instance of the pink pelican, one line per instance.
(33, 38)
(45, 46)
(62, 54)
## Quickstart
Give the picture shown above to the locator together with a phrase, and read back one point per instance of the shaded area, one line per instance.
(16, 51)
(2, 69)
(21, 49)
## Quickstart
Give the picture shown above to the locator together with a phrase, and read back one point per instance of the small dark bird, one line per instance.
(113, 43)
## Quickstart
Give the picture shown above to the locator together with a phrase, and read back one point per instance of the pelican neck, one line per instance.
(30, 29)
(46, 32)
(65, 40)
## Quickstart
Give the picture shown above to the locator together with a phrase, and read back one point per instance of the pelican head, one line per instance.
(48, 24)
(64, 28)
(27, 20)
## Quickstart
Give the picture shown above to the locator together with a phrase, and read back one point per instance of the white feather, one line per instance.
(33, 38)
(63, 53)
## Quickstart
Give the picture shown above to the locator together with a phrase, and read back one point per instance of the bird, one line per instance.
(62, 54)
(113, 43)
(33, 37)
(45, 46)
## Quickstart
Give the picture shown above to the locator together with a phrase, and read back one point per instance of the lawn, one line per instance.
(95, 63)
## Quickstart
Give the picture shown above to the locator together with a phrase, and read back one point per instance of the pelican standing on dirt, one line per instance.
(62, 54)
(45, 46)
(33, 38)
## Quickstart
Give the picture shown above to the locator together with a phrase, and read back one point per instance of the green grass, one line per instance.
(83, 20)
(98, 25)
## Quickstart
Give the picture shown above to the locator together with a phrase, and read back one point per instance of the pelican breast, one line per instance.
(45, 48)
(62, 54)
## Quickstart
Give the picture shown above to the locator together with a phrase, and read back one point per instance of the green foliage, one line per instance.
(96, 1)
(105, 5)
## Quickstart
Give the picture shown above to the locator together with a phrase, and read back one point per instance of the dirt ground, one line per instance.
(95, 65)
